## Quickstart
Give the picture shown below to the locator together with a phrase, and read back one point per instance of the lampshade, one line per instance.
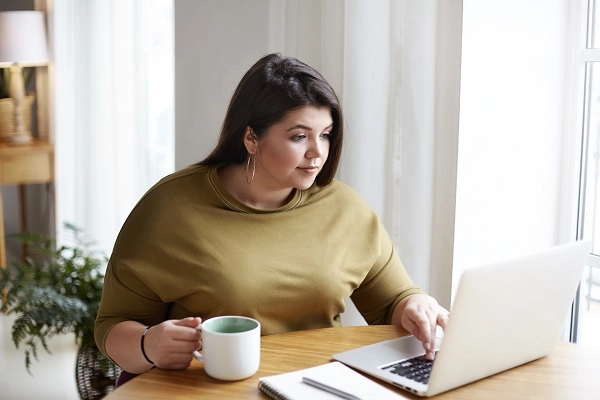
(23, 38)
(22, 44)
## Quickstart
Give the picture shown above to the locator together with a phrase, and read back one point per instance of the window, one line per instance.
(587, 314)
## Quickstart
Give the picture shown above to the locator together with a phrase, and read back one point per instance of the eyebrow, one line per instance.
(306, 127)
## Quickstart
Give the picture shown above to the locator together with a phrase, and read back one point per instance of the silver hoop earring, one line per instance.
(250, 178)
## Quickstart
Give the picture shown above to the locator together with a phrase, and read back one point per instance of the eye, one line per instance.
(325, 135)
(299, 137)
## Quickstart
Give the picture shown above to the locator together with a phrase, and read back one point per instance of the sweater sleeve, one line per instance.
(125, 298)
(145, 271)
(386, 284)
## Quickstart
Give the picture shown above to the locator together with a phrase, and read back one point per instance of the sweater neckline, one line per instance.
(234, 204)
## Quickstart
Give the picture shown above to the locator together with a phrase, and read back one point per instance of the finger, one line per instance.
(430, 353)
(191, 322)
(176, 361)
(417, 332)
(442, 319)
(425, 319)
(432, 335)
(434, 322)
(185, 329)
(180, 365)
(426, 326)
(184, 346)
(411, 327)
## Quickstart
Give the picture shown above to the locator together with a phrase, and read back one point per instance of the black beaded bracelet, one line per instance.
(142, 345)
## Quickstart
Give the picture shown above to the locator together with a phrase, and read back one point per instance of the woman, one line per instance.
(259, 228)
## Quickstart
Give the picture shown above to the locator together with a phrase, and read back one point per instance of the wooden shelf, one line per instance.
(24, 164)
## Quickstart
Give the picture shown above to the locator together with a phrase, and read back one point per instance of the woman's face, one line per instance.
(293, 151)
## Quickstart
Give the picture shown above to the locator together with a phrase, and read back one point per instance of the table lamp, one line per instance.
(22, 44)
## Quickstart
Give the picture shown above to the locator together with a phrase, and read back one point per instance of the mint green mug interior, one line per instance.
(229, 324)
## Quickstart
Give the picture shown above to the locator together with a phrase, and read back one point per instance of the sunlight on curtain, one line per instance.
(114, 85)
(395, 66)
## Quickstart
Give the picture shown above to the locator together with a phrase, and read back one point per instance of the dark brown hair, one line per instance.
(272, 87)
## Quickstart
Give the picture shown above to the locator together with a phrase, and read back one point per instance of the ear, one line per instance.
(250, 140)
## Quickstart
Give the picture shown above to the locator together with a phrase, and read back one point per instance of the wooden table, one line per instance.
(570, 372)
(21, 165)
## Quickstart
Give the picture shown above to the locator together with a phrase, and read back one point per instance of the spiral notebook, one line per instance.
(335, 376)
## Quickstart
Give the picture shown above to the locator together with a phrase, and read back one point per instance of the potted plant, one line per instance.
(54, 291)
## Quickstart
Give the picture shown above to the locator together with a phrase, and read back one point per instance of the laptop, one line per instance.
(504, 314)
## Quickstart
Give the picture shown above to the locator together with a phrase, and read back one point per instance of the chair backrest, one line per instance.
(351, 317)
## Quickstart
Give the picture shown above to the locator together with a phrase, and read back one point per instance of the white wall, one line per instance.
(216, 41)
(511, 129)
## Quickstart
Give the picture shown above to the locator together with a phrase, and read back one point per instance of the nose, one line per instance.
(317, 148)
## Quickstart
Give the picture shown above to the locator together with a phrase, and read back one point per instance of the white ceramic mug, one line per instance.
(230, 347)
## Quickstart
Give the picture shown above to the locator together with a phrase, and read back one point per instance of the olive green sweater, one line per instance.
(189, 248)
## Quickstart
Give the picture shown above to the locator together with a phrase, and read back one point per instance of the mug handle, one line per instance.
(197, 355)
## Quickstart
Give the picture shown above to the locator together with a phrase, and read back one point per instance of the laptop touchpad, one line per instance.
(408, 346)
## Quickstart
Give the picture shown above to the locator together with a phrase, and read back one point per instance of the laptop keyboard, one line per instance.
(417, 368)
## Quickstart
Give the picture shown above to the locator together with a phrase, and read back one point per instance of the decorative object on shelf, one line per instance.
(22, 44)
(7, 106)
(57, 290)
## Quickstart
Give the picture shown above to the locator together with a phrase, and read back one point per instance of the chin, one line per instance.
(304, 185)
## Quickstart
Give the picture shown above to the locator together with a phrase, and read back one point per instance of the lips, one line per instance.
(309, 169)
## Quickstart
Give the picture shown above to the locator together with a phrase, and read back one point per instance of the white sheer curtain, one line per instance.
(396, 66)
(401, 98)
(113, 108)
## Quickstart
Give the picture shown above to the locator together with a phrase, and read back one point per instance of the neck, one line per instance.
(256, 194)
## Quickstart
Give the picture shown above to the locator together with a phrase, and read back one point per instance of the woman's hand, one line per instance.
(170, 344)
(420, 314)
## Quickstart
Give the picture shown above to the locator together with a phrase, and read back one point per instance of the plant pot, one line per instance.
(7, 112)
(95, 374)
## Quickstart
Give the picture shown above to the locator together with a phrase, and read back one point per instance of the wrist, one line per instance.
(143, 346)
